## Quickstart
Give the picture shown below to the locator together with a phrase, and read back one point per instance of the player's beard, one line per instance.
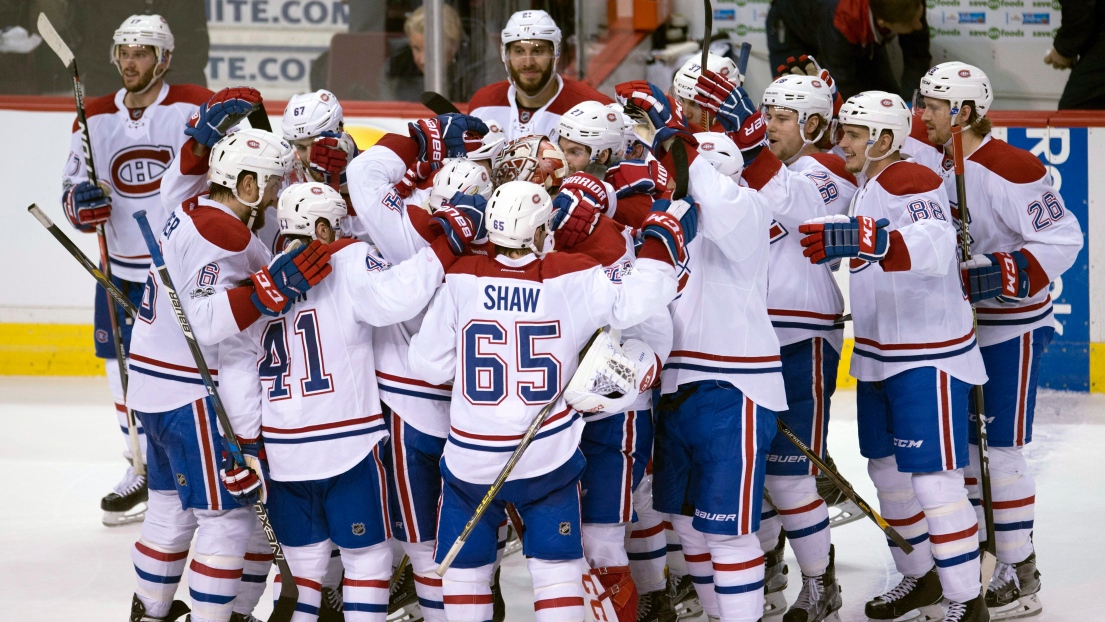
(531, 90)
(143, 81)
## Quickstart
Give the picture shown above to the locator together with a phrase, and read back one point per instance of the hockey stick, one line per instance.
(989, 559)
(846, 488)
(83, 259)
(500, 480)
(707, 34)
(438, 103)
(742, 61)
(289, 592)
(53, 39)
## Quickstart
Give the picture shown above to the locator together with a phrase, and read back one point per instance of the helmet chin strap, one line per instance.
(805, 143)
(156, 75)
(871, 158)
(254, 207)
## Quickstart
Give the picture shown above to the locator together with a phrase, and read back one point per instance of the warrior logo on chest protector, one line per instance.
(136, 171)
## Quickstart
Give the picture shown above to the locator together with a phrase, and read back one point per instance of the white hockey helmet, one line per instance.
(878, 111)
(805, 95)
(721, 152)
(151, 30)
(309, 114)
(596, 126)
(956, 83)
(458, 175)
(491, 145)
(629, 137)
(256, 151)
(532, 158)
(301, 205)
(687, 76)
(530, 25)
(516, 211)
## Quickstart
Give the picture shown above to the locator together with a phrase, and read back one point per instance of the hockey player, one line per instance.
(715, 419)
(533, 158)
(1022, 238)
(210, 252)
(591, 132)
(315, 405)
(507, 327)
(135, 135)
(915, 358)
(683, 89)
(532, 98)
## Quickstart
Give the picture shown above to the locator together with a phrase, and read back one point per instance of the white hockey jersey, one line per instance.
(401, 228)
(311, 371)
(497, 105)
(209, 253)
(908, 309)
(803, 299)
(722, 330)
(509, 331)
(132, 150)
(1014, 207)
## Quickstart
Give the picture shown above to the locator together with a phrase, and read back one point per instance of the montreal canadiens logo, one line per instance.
(136, 171)
(887, 103)
(324, 97)
(611, 118)
(816, 83)
(964, 73)
(536, 199)
(706, 147)
(316, 190)
(253, 144)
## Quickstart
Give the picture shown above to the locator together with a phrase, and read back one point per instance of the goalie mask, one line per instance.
(532, 158)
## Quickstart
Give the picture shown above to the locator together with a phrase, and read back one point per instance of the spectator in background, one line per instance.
(1080, 47)
(850, 39)
(406, 68)
(92, 25)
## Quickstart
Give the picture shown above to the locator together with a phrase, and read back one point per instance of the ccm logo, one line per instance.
(907, 444)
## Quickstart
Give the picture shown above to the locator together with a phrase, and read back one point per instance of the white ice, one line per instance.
(60, 451)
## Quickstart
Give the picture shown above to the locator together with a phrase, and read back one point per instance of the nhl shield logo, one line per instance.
(358, 529)
(565, 529)
(180, 479)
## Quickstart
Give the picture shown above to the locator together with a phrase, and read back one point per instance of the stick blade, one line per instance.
(53, 39)
(437, 103)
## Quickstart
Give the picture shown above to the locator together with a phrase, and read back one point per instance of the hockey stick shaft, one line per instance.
(438, 103)
(742, 60)
(989, 553)
(288, 590)
(707, 34)
(846, 488)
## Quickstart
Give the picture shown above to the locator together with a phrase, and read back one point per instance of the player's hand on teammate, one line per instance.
(87, 205)
(996, 275)
(838, 236)
(449, 135)
(630, 177)
(462, 220)
(290, 275)
(674, 224)
(223, 111)
(652, 102)
(576, 209)
(330, 154)
(245, 482)
(806, 65)
(415, 175)
(730, 103)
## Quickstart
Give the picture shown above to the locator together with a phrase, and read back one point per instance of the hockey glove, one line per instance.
(752, 134)
(996, 275)
(675, 224)
(651, 100)
(330, 154)
(730, 103)
(415, 175)
(805, 65)
(630, 177)
(450, 135)
(223, 111)
(245, 482)
(576, 209)
(86, 205)
(835, 237)
(288, 276)
(461, 223)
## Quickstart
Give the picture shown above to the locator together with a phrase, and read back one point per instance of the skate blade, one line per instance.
(775, 604)
(1026, 607)
(411, 613)
(688, 610)
(512, 546)
(135, 515)
(847, 512)
(931, 613)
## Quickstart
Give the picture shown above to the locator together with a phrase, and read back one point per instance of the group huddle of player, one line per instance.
(383, 327)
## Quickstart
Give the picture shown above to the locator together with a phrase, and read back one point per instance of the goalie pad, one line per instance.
(611, 376)
(611, 595)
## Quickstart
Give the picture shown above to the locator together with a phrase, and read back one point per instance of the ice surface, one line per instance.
(60, 451)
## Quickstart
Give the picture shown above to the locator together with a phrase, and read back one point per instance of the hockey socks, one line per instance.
(367, 579)
(557, 590)
(645, 542)
(898, 505)
(1014, 494)
(699, 562)
(467, 593)
(805, 518)
(255, 572)
(426, 582)
(953, 531)
(161, 553)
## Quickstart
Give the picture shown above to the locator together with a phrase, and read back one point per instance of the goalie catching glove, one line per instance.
(610, 375)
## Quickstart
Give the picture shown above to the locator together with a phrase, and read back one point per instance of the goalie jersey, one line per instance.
(509, 330)
(132, 149)
(305, 381)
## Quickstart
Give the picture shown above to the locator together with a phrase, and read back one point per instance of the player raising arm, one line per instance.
(916, 357)
(1022, 238)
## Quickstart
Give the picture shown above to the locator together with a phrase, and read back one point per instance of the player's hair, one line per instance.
(416, 22)
(979, 125)
(895, 11)
(218, 192)
(512, 252)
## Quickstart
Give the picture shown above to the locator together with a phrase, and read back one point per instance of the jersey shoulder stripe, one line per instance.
(218, 227)
(574, 92)
(762, 169)
(97, 106)
(835, 164)
(491, 95)
(906, 178)
(1010, 163)
(186, 94)
(343, 243)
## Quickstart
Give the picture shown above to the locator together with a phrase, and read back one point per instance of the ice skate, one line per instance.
(922, 593)
(331, 609)
(127, 502)
(973, 610)
(842, 510)
(243, 617)
(819, 600)
(775, 579)
(403, 603)
(1015, 591)
(655, 607)
(498, 612)
(138, 611)
(513, 542)
(684, 599)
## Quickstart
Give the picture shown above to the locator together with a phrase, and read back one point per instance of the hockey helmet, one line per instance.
(458, 175)
(877, 111)
(516, 211)
(530, 25)
(309, 114)
(596, 126)
(687, 76)
(956, 83)
(256, 151)
(151, 30)
(721, 152)
(301, 205)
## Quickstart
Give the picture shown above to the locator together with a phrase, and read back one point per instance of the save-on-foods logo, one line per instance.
(972, 18)
(994, 5)
(744, 29)
(997, 33)
(944, 32)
